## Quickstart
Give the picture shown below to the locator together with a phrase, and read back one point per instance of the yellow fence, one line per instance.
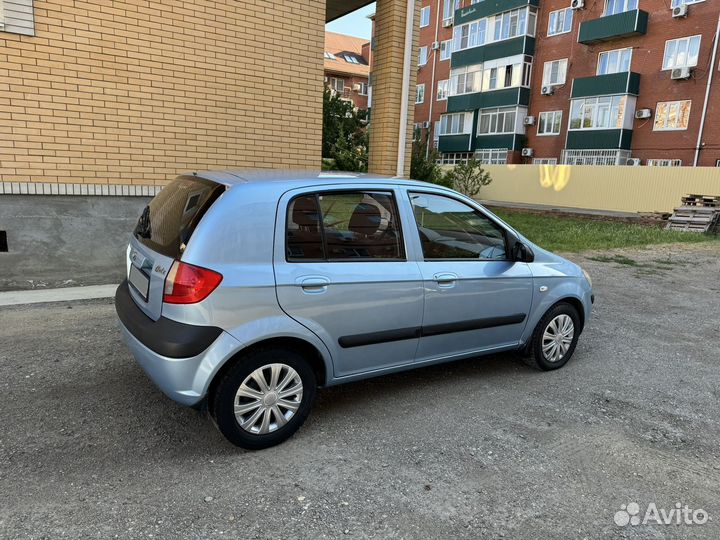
(623, 189)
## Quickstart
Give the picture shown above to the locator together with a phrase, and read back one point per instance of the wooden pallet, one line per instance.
(700, 219)
(705, 201)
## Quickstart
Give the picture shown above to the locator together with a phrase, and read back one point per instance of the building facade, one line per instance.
(347, 67)
(611, 82)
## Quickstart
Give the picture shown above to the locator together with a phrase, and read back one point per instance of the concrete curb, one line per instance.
(39, 296)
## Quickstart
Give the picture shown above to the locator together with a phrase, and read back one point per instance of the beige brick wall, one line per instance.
(387, 71)
(136, 91)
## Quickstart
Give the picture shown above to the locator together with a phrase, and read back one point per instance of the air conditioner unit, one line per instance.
(642, 114)
(633, 162)
(527, 152)
(547, 90)
(680, 73)
(426, 125)
(529, 121)
(435, 45)
(356, 87)
(680, 11)
(447, 22)
(577, 4)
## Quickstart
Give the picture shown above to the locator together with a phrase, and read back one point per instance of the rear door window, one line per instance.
(341, 226)
(167, 223)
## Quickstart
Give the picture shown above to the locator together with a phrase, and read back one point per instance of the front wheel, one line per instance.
(264, 398)
(554, 338)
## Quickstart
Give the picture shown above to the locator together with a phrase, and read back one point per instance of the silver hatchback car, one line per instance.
(247, 291)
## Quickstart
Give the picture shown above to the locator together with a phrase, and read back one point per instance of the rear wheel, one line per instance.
(554, 338)
(264, 398)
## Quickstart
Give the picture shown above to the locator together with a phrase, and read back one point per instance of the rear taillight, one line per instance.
(188, 284)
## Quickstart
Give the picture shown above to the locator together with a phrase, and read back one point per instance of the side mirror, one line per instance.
(522, 253)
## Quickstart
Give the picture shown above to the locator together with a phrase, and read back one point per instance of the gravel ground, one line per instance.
(485, 448)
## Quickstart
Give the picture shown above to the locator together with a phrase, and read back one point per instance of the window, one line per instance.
(446, 49)
(425, 17)
(468, 35)
(560, 22)
(613, 7)
(351, 59)
(455, 124)
(492, 156)
(420, 93)
(664, 162)
(442, 90)
(328, 55)
(616, 61)
(337, 84)
(549, 123)
(512, 23)
(465, 80)
(454, 158)
(672, 115)
(508, 25)
(422, 56)
(449, 8)
(595, 157)
(358, 225)
(497, 121)
(545, 161)
(681, 52)
(678, 3)
(450, 229)
(555, 72)
(606, 112)
(506, 73)
(363, 90)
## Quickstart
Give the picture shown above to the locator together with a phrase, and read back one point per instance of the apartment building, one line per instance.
(347, 67)
(604, 82)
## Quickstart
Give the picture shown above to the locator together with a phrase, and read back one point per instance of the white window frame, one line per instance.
(553, 19)
(454, 118)
(664, 162)
(492, 156)
(623, 104)
(547, 72)
(363, 89)
(678, 106)
(678, 3)
(626, 5)
(446, 49)
(677, 41)
(483, 31)
(618, 63)
(552, 115)
(449, 8)
(545, 161)
(420, 93)
(499, 116)
(443, 87)
(328, 55)
(422, 55)
(474, 73)
(425, 17)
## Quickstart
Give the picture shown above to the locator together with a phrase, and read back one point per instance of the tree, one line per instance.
(345, 138)
(423, 162)
(468, 177)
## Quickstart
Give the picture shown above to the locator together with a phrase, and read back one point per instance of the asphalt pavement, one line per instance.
(484, 448)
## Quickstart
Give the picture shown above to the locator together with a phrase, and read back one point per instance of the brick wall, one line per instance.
(134, 92)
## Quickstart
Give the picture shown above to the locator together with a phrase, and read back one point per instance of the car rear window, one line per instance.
(167, 223)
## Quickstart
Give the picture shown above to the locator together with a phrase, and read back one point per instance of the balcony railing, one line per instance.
(617, 26)
(626, 82)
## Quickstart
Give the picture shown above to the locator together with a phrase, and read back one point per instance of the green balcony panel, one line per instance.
(488, 8)
(511, 141)
(627, 82)
(508, 97)
(629, 23)
(599, 139)
(454, 143)
(493, 51)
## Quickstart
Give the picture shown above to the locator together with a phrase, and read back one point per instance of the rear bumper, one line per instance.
(181, 359)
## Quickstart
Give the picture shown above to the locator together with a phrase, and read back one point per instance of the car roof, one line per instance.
(298, 178)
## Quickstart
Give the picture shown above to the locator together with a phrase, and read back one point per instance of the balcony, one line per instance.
(493, 51)
(629, 23)
(511, 141)
(626, 82)
(594, 139)
(487, 8)
(507, 97)
(455, 143)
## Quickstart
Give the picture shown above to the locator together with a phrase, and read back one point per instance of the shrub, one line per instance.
(423, 163)
(468, 178)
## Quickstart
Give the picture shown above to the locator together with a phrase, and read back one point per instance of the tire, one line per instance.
(557, 317)
(273, 365)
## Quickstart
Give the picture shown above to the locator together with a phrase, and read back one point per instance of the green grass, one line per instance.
(571, 234)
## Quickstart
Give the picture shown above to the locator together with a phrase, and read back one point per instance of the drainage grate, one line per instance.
(3, 242)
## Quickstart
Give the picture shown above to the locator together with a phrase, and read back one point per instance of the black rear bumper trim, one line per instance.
(165, 337)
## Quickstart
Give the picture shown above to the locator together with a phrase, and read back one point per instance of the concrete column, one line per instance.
(387, 84)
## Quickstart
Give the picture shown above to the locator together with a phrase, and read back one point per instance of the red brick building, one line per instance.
(570, 81)
(347, 67)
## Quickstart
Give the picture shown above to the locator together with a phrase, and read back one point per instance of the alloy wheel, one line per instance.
(557, 338)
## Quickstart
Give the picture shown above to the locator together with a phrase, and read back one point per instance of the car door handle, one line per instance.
(313, 284)
(445, 279)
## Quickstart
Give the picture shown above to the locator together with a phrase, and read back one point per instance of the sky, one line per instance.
(354, 24)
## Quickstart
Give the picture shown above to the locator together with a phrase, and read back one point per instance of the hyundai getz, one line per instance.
(247, 291)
